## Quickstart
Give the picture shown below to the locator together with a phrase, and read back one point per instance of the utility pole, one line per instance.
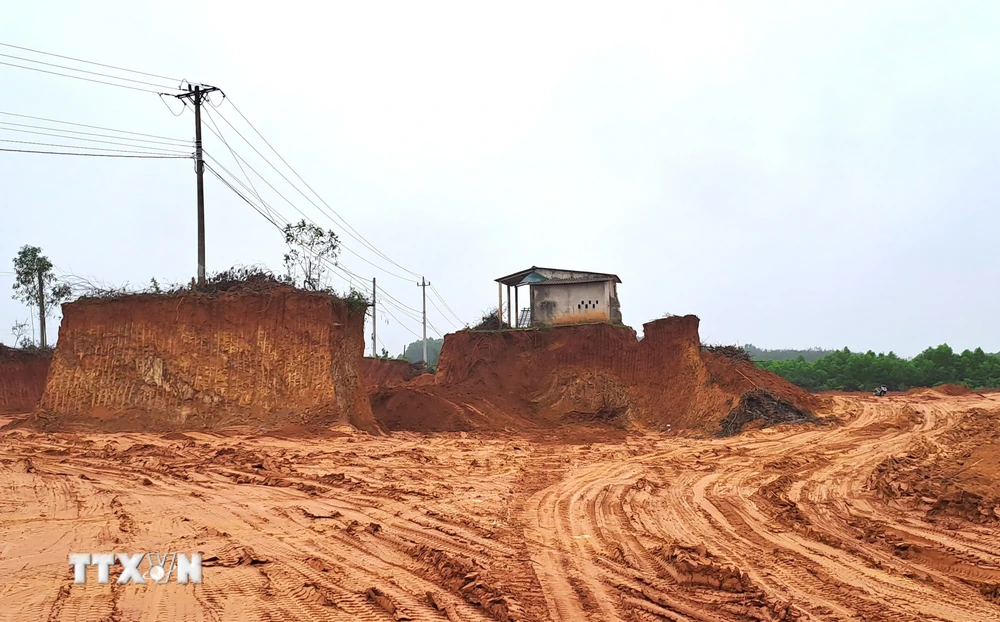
(374, 321)
(423, 283)
(41, 307)
(197, 95)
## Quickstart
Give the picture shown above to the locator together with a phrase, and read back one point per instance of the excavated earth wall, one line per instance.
(22, 378)
(379, 374)
(199, 361)
(594, 372)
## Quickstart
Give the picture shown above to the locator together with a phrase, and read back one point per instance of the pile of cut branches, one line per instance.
(490, 321)
(733, 352)
(759, 405)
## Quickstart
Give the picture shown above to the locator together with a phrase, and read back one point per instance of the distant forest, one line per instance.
(414, 352)
(854, 371)
(810, 355)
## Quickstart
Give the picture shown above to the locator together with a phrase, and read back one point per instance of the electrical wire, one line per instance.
(274, 223)
(408, 329)
(97, 155)
(64, 75)
(446, 318)
(275, 213)
(441, 298)
(25, 142)
(388, 298)
(239, 158)
(138, 140)
(80, 60)
(334, 265)
(92, 140)
(93, 127)
(93, 73)
(348, 228)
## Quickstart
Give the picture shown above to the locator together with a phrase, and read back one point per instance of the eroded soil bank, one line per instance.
(193, 361)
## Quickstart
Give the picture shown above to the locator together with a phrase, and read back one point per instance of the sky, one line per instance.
(796, 174)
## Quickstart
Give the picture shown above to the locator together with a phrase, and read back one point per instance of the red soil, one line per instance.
(22, 379)
(596, 372)
(386, 373)
(200, 361)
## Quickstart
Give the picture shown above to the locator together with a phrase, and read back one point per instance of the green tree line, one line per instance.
(853, 371)
(414, 352)
(762, 354)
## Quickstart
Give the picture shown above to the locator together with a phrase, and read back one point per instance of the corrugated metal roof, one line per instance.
(536, 275)
(602, 279)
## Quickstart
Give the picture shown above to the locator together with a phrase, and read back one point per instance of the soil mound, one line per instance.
(379, 374)
(22, 378)
(586, 373)
(267, 357)
(953, 389)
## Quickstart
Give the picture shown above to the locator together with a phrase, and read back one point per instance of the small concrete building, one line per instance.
(559, 297)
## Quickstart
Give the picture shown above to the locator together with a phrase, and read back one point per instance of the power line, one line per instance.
(446, 319)
(97, 155)
(92, 140)
(80, 60)
(64, 75)
(239, 159)
(387, 301)
(93, 73)
(441, 298)
(26, 142)
(56, 129)
(330, 265)
(348, 228)
(400, 302)
(93, 127)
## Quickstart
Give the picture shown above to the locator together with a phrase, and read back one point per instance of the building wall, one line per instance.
(571, 303)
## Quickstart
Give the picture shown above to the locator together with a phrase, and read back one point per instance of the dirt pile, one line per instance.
(595, 372)
(204, 360)
(22, 378)
(956, 477)
(379, 374)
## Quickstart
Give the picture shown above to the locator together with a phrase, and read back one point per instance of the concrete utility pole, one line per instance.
(374, 321)
(197, 96)
(423, 283)
(41, 307)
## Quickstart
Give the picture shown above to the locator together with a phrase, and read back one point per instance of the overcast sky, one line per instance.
(795, 173)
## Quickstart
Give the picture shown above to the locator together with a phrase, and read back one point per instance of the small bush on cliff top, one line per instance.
(235, 280)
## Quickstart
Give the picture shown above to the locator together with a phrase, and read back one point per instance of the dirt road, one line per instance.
(820, 523)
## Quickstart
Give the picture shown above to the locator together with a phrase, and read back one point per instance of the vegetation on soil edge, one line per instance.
(854, 371)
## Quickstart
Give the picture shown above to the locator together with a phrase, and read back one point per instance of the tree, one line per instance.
(20, 331)
(414, 352)
(309, 250)
(36, 285)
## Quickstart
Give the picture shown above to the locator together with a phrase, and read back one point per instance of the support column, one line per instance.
(517, 308)
(500, 304)
(509, 310)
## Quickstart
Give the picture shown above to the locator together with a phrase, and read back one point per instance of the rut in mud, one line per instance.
(887, 516)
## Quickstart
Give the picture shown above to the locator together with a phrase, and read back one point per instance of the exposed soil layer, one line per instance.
(377, 374)
(22, 378)
(866, 520)
(197, 361)
(597, 373)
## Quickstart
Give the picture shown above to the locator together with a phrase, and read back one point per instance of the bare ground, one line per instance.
(883, 516)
